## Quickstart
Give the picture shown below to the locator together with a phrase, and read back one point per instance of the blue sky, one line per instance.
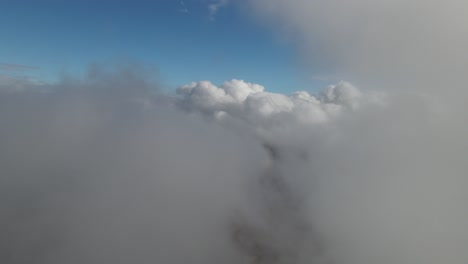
(64, 36)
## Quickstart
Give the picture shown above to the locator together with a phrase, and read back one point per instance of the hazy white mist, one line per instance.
(372, 170)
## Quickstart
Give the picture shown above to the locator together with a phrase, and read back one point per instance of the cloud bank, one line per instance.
(388, 181)
(105, 170)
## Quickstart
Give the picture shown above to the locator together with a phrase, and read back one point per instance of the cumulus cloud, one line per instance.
(251, 103)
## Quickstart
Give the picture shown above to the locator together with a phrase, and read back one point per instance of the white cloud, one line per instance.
(250, 102)
(103, 170)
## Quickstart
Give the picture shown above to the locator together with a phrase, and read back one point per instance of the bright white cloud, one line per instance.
(250, 102)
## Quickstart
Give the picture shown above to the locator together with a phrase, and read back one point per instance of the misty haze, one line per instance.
(234, 131)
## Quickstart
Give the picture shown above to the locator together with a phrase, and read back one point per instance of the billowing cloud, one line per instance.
(250, 102)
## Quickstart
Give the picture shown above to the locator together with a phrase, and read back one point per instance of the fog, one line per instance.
(370, 170)
(390, 181)
(104, 170)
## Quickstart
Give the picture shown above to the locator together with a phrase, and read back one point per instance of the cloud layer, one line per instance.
(388, 181)
(102, 171)
(107, 169)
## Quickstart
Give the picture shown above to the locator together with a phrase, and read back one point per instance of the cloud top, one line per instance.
(252, 103)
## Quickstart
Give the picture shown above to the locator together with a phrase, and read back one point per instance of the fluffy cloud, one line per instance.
(251, 103)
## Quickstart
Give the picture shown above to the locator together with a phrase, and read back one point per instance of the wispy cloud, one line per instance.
(12, 67)
(183, 8)
(16, 77)
(215, 6)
